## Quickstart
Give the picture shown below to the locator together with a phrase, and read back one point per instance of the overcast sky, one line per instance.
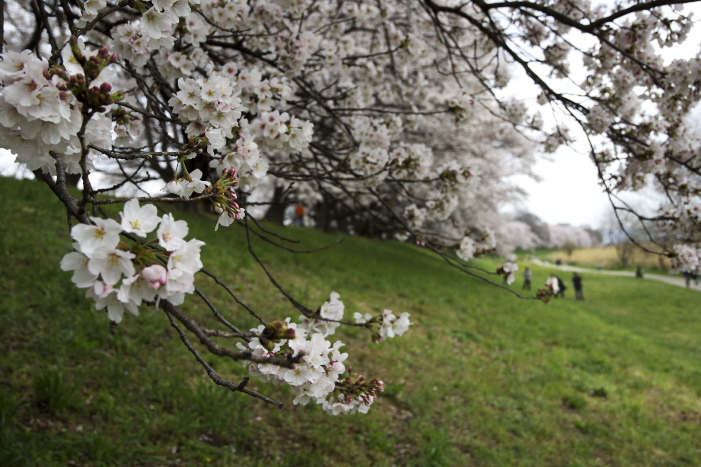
(568, 192)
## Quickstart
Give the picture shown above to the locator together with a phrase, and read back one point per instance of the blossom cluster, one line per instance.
(508, 270)
(128, 126)
(153, 30)
(260, 94)
(370, 162)
(411, 161)
(371, 157)
(35, 116)
(415, 216)
(188, 184)
(118, 275)
(469, 248)
(515, 111)
(357, 396)
(454, 177)
(552, 288)
(598, 119)
(378, 156)
(327, 319)
(462, 106)
(389, 324)
(224, 199)
(441, 208)
(296, 49)
(43, 109)
(685, 216)
(222, 195)
(278, 131)
(317, 377)
(246, 160)
(687, 258)
(211, 106)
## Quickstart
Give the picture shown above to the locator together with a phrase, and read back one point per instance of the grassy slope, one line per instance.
(482, 378)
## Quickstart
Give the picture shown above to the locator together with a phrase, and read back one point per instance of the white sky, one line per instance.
(568, 192)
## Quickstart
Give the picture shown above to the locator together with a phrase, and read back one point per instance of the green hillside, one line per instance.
(482, 378)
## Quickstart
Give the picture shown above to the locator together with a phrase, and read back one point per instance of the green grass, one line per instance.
(482, 378)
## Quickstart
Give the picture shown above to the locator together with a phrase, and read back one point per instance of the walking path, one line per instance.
(677, 280)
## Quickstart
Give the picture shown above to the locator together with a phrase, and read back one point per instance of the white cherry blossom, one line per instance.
(139, 220)
(104, 234)
(171, 233)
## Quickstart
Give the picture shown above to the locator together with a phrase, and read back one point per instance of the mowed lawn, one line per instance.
(482, 378)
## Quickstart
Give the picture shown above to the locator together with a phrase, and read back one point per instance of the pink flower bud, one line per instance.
(155, 275)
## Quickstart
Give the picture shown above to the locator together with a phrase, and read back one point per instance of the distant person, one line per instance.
(300, 214)
(687, 278)
(577, 282)
(696, 279)
(639, 272)
(527, 276)
(561, 285)
(553, 283)
(599, 265)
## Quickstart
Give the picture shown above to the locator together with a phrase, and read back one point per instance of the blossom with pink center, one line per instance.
(155, 276)
(171, 233)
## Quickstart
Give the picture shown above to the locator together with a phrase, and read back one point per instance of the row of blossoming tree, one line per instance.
(395, 113)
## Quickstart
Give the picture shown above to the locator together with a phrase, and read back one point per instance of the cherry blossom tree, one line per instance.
(517, 235)
(579, 237)
(395, 114)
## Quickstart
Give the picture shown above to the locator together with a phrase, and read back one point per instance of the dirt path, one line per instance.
(677, 280)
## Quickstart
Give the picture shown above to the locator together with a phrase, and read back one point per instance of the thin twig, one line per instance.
(213, 374)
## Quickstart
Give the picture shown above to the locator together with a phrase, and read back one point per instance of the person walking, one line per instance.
(577, 282)
(561, 285)
(687, 278)
(527, 276)
(300, 214)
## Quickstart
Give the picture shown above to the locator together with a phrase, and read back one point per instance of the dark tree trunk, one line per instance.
(276, 212)
(323, 217)
(73, 179)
